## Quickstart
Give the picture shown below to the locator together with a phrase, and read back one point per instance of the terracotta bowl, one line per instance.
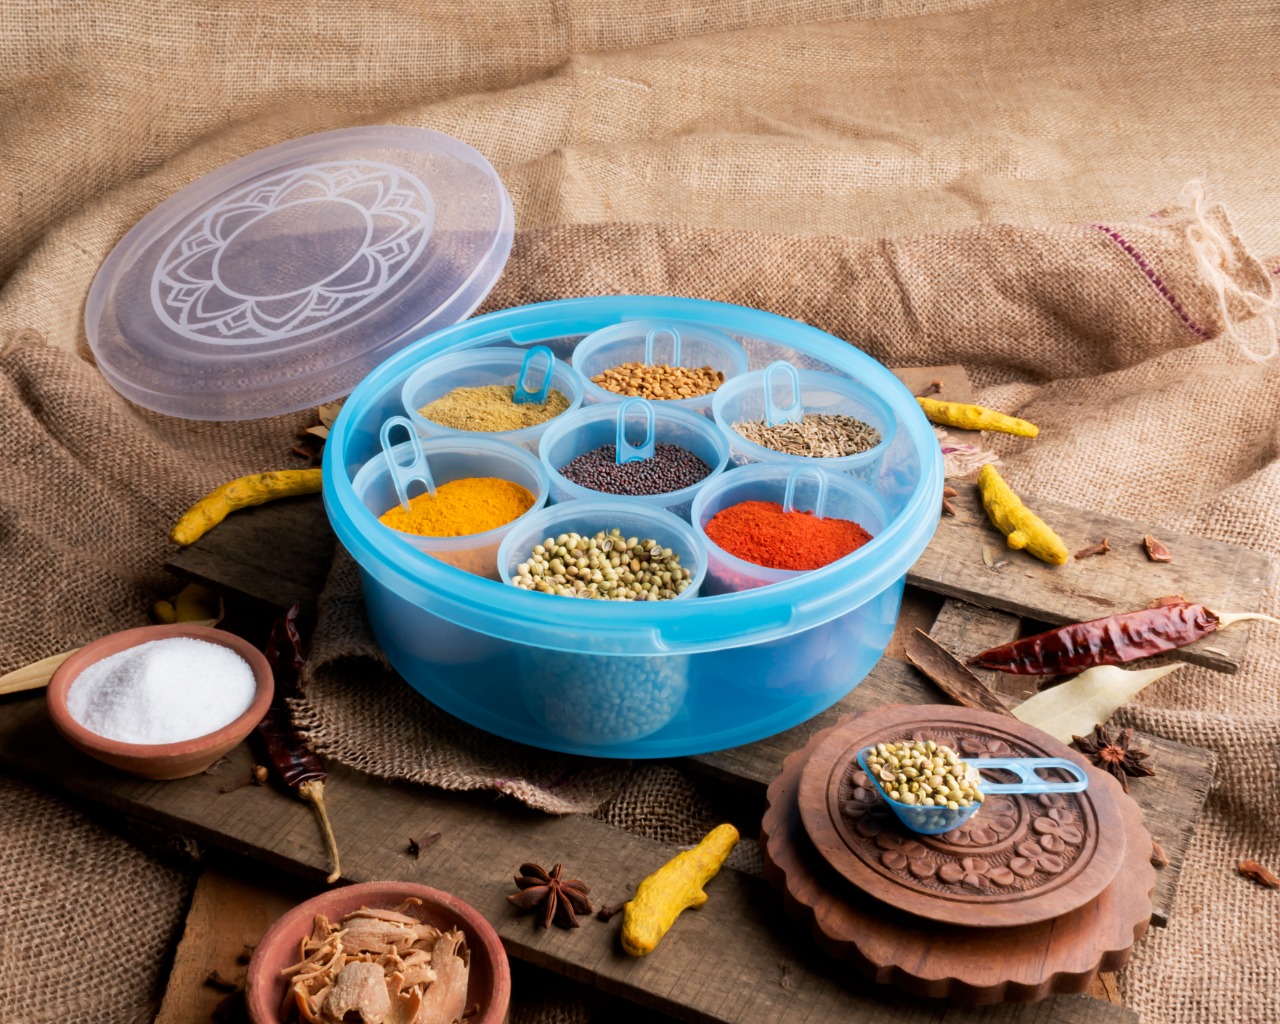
(489, 982)
(159, 760)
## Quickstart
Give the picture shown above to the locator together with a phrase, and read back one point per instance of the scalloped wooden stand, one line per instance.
(1022, 963)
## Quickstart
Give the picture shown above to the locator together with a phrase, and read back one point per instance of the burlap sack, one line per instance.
(647, 148)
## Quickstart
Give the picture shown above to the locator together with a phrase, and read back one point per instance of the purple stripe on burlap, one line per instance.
(1152, 276)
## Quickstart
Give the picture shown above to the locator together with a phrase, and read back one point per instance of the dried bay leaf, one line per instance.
(329, 412)
(1089, 699)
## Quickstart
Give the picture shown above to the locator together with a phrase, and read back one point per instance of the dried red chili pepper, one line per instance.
(1111, 640)
(297, 766)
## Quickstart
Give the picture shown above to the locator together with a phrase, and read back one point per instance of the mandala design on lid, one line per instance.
(292, 253)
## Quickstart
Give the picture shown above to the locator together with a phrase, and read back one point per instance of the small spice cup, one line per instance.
(404, 470)
(638, 425)
(932, 821)
(489, 977)
(159, 760)
(780, 393)
(806, 488)
(531, 373)
(656, 342)
(591, 515)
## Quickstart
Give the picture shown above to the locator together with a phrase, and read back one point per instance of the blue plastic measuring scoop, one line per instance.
(523, 396)
(403, 474)
(774, 413)
(820, 499)
(651, 338)
(624, 450)
(931, 821)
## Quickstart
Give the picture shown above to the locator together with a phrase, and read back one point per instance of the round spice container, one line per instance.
(590, 517)
(591, 677)
(812, 411)
(500, 393)
(406, 470)
(674, 453)
(799, 488)
(665, 355)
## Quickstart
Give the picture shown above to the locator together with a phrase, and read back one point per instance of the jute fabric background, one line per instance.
(935, 182)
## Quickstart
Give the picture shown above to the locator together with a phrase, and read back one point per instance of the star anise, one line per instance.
(561, 899)
(1114, 755)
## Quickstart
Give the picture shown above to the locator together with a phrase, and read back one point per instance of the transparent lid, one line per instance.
(277, 282)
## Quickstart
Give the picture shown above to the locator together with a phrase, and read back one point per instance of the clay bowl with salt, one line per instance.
(178, 758)
(488, 984)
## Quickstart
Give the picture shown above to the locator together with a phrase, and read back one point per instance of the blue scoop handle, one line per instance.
(774, 413)
(403, 474)
(1025, 768)
(653, 336)
(523, 396)
(624, 450)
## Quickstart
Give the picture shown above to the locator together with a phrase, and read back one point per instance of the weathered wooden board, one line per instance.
(228, 915)
(767, 972)
(1222, 576)
(271, 555)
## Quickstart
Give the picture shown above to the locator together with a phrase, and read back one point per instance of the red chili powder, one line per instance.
(761, 532)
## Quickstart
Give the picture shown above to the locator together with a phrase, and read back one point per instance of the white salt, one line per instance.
(164, 691)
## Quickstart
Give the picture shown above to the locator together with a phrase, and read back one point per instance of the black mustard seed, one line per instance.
(670, 469)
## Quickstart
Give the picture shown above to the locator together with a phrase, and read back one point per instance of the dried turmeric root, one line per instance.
(1022, 527)
(254, 489)
(975, 417)
(661, 897)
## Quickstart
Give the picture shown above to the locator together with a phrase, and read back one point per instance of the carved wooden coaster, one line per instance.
(1022, 963)
(1018, 860)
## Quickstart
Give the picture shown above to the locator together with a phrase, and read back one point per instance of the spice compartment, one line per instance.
(657, 341)
(438, 378)
(772, 397)
(806, 488)
(590, 516)
(450, 460)
(591, 428)
(636, 679)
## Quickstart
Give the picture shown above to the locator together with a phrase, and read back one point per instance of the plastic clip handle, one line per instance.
(652, 337)
(624, 450)
(819, 502)
(773, 414)
(403, 475)
(523, 396)
(1025, 769)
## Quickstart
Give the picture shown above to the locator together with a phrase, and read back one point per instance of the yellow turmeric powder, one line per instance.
(974, 417)
(1022, 527)
(461, 508)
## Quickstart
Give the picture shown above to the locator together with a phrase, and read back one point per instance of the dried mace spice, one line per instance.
(1114, 755)
(555, 898)
(1156, 551)
(1251, 869)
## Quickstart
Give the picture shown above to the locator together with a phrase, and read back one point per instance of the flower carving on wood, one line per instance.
(993, 823)
(1057, 830)
(864, 807)
(898, 854)
(986, 746)
(1032, 857)
(976, 873)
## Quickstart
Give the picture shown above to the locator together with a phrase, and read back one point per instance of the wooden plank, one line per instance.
(964, 629)
(271, 555)
(228, 915)
(1171, 802)
(738, 959)
(1222, 576)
